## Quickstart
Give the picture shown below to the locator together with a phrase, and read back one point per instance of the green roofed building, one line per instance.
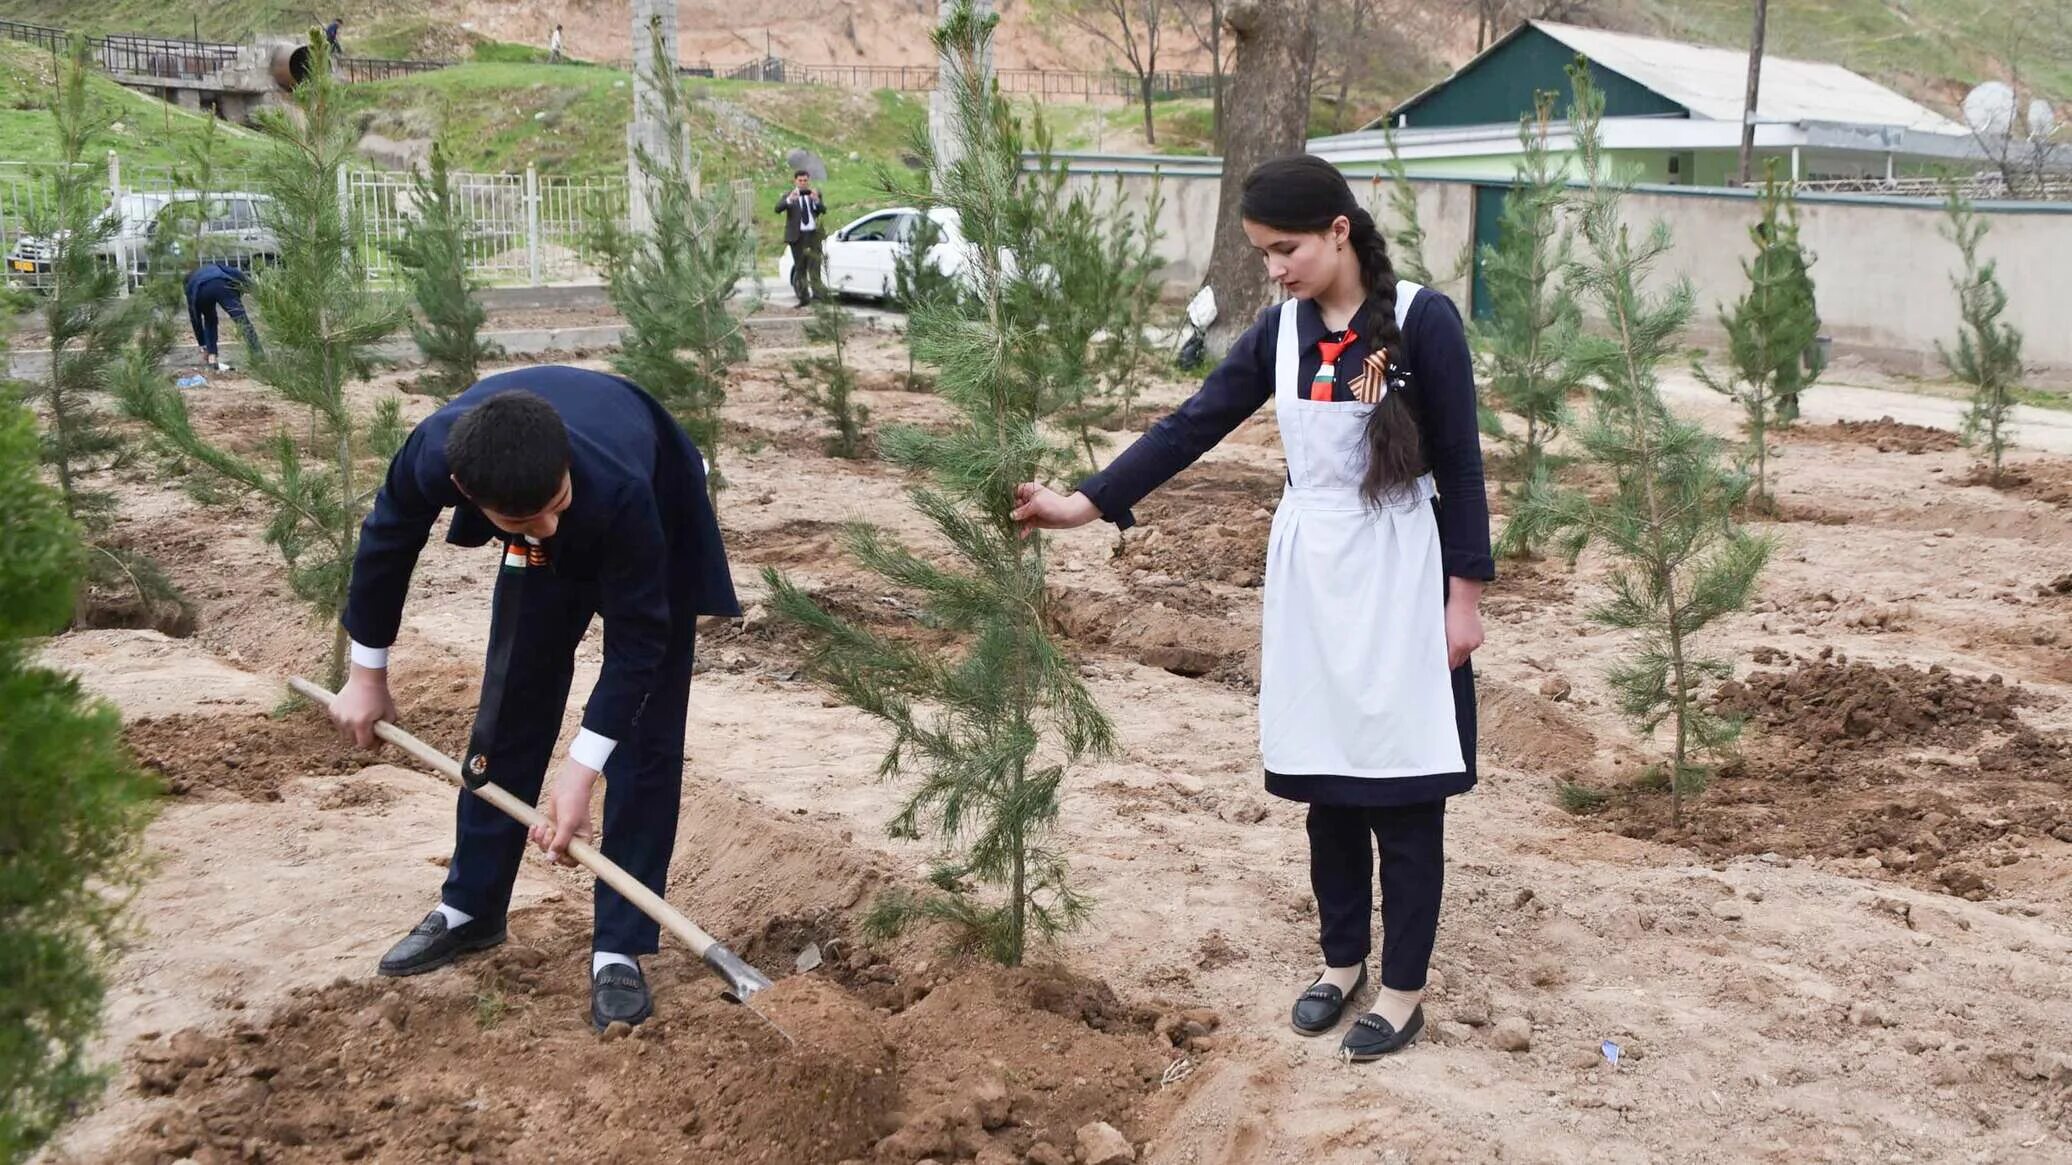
(1673, 115)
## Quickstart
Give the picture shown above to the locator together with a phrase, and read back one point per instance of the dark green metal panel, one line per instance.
(1489, 215)
(1499, 88)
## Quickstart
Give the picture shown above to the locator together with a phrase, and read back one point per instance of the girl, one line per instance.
(1374, 572)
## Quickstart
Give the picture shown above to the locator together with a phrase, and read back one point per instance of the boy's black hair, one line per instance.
(806, 174)
(509, 453)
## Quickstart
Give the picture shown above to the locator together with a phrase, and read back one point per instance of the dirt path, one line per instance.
(1857, 952)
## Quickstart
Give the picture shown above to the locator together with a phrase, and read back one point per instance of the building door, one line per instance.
(1489, 215)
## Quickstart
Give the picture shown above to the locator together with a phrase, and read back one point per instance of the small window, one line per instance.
(876, 230)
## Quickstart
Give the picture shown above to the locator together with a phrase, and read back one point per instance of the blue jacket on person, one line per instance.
(214, 282)
(639, 524)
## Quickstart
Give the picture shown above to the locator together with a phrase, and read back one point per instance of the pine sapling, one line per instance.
(324, 321)
(1769, 329)
(433, 257)
(1679, 563)
(918, 280)
(1406, 243)
(672, 283)
(1531, 344)
(72, 810)
(1989, 352)
(89, 323)
(989, 729)
(827, 383)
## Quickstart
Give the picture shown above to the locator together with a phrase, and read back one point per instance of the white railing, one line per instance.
(529, 229)
(1978, 187)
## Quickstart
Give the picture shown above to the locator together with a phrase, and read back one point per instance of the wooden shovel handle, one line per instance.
(607, 870)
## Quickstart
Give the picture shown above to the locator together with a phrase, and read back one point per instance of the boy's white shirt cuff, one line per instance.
(365, 656)
(591, 750)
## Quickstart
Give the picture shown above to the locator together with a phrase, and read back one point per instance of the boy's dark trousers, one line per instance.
(538, 618)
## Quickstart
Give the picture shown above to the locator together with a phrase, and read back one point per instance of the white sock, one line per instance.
(455, 917)
(599, 960)
(1342, 978)
(1396, 1006)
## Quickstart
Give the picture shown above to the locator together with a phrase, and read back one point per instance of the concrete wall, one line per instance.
(1881, 265)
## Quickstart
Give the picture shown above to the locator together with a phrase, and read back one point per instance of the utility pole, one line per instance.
(644, 131)
(1755, 75)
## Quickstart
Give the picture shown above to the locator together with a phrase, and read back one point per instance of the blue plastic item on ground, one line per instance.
(191, 382)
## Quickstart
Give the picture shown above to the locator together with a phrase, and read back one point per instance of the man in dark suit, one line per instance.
(211, 286)
(801, 207)
(598, 499)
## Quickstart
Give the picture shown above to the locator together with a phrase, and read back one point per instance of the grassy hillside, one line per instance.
(146, 131)
(571, 120)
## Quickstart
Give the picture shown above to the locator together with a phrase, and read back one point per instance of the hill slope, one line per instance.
(146, 131)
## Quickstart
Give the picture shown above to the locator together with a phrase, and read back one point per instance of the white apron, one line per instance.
(1353, 679)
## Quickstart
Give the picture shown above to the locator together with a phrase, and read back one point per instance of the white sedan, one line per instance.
(859, 258)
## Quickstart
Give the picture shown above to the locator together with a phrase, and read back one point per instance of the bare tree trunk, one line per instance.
(1268, 117)
(1755, 75)
(1144, 91)
(1350, 58)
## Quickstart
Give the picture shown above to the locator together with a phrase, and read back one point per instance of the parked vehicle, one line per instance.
(860, 258)
(235, 236)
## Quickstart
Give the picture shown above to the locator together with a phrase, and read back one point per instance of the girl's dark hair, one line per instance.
(1306, 194)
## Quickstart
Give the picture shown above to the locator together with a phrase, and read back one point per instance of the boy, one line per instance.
(599, 499)
(210, 286)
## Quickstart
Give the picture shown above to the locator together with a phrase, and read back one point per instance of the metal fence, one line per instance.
(136, 55)
(528, 230)
(1978, 187)
(358, 69)
(1042, 83)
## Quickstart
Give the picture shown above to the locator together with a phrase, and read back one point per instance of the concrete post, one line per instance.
(532, 223)
(948, 149)
(645, 130)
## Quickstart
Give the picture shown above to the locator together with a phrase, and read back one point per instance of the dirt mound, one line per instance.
(1884, 434)
(1155, 633)
(1209, 524)
(2049, 482)
(496, 1061)
(1836, 705)
(253, 757)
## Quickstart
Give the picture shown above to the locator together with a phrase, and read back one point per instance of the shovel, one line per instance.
(742, 980)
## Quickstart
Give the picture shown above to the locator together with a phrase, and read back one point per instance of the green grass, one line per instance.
(571, 120)
(149, 132)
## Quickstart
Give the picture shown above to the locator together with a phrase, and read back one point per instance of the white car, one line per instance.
(859, 258)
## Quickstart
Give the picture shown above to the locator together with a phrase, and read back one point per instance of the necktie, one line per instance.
(1326, 379)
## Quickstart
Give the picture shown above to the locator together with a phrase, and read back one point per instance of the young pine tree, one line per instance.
(72, 808)
(671, 284)
(323, 322)
(827, 383)
(988, 731)
(1679, 562)
(1769, 329)
(1406, 244)
(1989, 352)
(1121, 355)
(90, 323)
(918, 281)
(1531, 343)
(433, 256)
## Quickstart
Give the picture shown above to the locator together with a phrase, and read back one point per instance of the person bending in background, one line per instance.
(211, 286)
(598, 498)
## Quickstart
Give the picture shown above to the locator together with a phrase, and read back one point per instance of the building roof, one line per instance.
(1712, 83)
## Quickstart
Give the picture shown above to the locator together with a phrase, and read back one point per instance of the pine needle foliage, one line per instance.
(90, 324)
(918, 280)
(1406, 243)
(1678, 561)
(985, 732)
(1988, 356)
(323, 322)
(1769, 329)
(1531, 343)
(672, 281)
(433, 258)
(827, 382)
(72, 808)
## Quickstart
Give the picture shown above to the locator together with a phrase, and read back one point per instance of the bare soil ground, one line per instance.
(1855, 947)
